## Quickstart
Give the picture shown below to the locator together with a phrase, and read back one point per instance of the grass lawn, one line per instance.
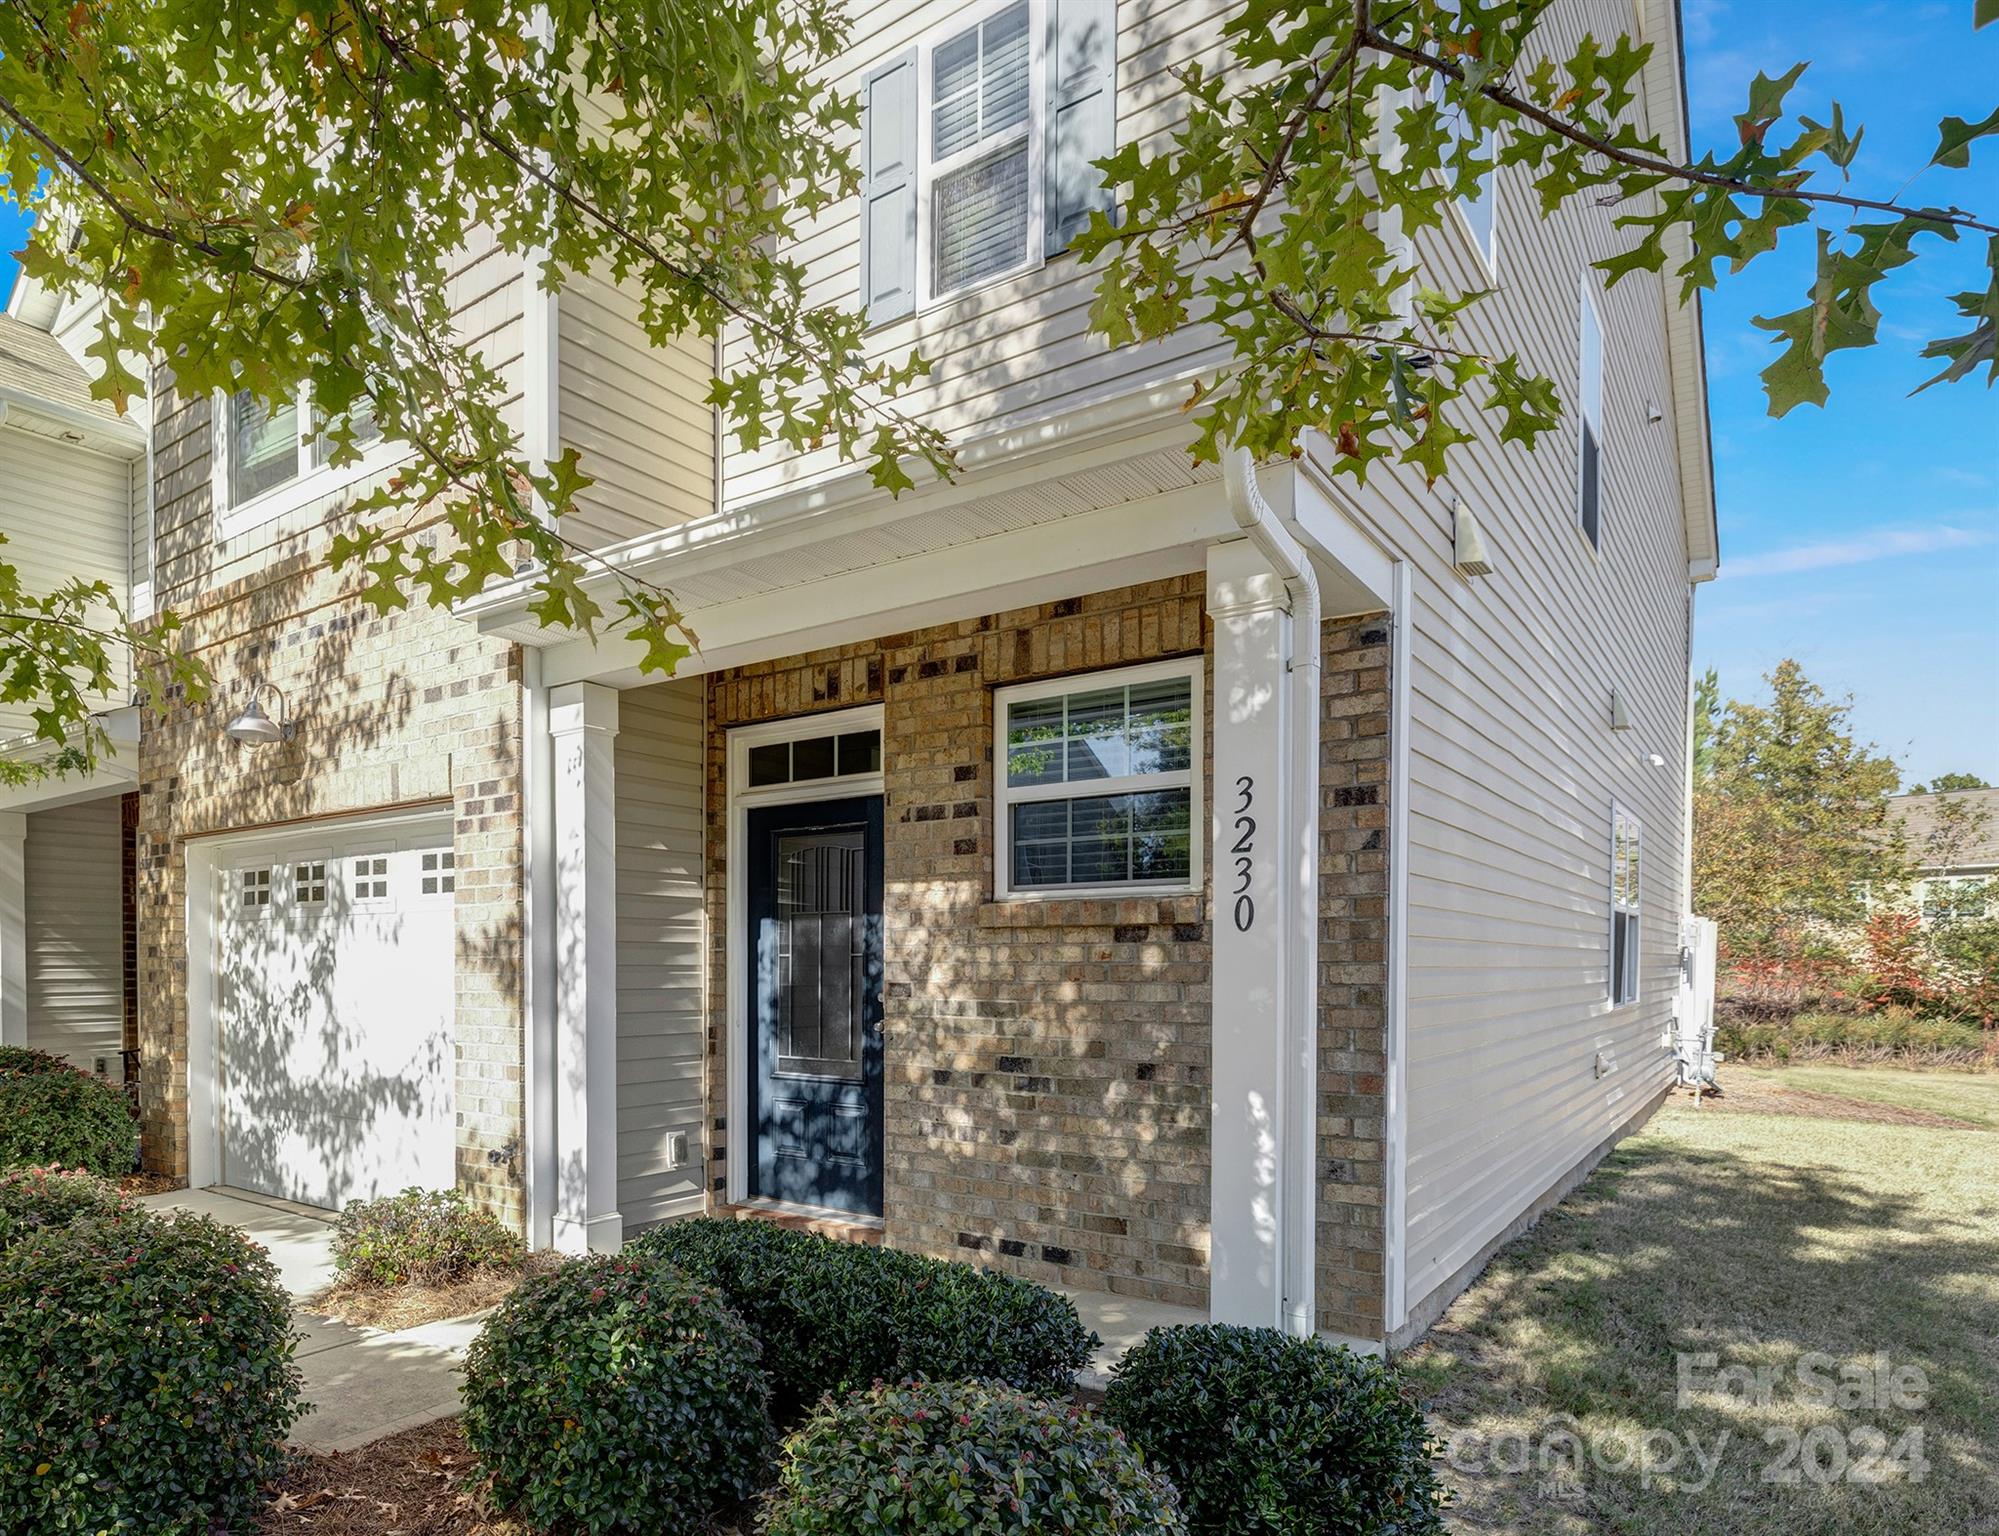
(1972, 1096)
(1768, 1241)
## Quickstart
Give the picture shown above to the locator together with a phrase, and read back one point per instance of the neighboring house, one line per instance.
(1181, 883)
(72, 500)
(1953, 842)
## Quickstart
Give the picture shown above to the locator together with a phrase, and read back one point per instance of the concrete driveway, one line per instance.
(362, 1383)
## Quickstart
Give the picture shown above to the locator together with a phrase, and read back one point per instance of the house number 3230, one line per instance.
(1244, 849)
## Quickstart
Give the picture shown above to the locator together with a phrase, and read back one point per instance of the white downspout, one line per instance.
(1298, 1111)
(538, 951)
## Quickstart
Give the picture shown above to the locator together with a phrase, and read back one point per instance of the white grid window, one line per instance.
(982, 199)
(1954, 898)
(254, 889)
(309, 882)
(264, 448)
(368, 877)
(1099, 787)
(438, 876)
(1624, 899)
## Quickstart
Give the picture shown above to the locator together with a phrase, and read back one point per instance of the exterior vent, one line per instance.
(674, 1144)
(1468, 551)
(1620, 712)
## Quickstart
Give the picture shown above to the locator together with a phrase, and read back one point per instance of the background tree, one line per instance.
(1946, 783)
(268, 192)
(1792, 817)
(1706, 718)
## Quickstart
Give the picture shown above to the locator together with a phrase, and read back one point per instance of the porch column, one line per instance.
(582, 726)
(1248, 605)
(13, 928)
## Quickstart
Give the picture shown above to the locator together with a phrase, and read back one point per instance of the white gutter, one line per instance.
(1395, 1081)
(1298, 1109)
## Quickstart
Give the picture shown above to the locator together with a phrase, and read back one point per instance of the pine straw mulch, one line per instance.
(1746, 1095)
(411, 1484)
(135, 1184)
(422, 1482)
(394, 1307)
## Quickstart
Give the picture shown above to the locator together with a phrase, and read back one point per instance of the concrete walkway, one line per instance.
(362, 1383)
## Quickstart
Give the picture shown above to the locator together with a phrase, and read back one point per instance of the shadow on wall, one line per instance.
(388, 710)
(320, 1103)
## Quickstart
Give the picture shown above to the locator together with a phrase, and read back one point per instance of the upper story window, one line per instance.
(1953, 898)
(259, 450)
(976, 147)
(1589, 405)
(1099, 784)
(1479, 210)
(1624, 897)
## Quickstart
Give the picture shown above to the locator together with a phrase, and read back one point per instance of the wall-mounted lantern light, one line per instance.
(253, 727)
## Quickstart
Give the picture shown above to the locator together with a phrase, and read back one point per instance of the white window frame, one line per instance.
(1590, 314)
(1623, 991)
(928, 172)
(1488, 248)
(1005, 796)
(1957, 885)
(314, 477)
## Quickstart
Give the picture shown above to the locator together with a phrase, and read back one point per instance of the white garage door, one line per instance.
(334, 993)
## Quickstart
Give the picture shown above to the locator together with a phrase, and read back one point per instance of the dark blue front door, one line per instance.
(815, 936)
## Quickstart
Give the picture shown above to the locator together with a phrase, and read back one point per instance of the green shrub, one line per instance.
(19, 1061)
(1261, 1432)
(146, 1376)
(977, 1458)
(32, 1199)
(420, 1237)
(615, 1394)
(1891, 1033)
(56, 1116)
(834, 1317)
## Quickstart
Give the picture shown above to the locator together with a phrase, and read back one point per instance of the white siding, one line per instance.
(662, 1022)
(76, 923)
(634, 413)
(1020, 348)
(67, 515)
(1513, 765)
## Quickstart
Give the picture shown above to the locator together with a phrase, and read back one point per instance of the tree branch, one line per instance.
(1563, 128)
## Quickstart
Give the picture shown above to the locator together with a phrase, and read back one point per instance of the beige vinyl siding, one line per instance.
(1513, 765)
(194, 555)
(1020, 348)
(634, 413)
(67, 515)
(75, 931)
(661, 944)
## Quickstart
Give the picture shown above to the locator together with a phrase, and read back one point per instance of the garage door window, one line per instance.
(309, 883)
(439, 872)
(369, 877)
(254, 891)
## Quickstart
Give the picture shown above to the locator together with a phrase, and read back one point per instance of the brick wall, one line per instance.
(1353, 972)
(1047, 1062)
(1047, 1082)
(392, 711)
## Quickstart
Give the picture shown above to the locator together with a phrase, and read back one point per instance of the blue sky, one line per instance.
(1863, 538)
